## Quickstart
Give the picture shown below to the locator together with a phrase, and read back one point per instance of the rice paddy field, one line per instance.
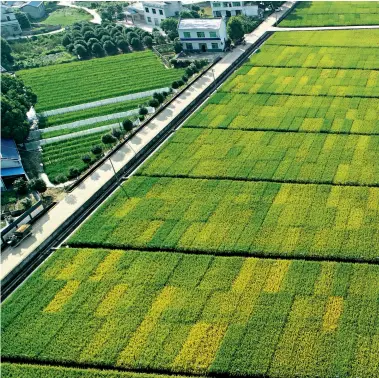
(63, 85)
(248, 245)
(333, 13)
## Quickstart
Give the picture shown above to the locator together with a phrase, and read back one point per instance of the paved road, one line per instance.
(51, 221)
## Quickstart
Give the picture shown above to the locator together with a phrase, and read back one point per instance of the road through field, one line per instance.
(58, 215)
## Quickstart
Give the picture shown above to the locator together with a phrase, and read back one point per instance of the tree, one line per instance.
(23, 20)
(127, 124)
(98, 50)
(123, 45)
(97, 150)
(154, 103)
(26, 203)
(116, 133)
(16, 101)
(81, 51)
(148, 41)
(110, 48)
(66, 40)
(59, 179)
(235, 29)
(6, 56)
(20, 186)
(143, 111)
(38, 185)
(92, 41)
(130, 36)
(189, 14)
(108, 139)
(159, 97)
(86, 159)
(178, 47)
(89, 34)
(172, 35)
(136, 44)
(169, 25)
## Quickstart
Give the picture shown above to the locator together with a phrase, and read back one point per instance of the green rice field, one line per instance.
(331, 13)
(246, 246)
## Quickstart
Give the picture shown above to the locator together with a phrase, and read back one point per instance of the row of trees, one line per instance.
(23, 187)
(88, 40)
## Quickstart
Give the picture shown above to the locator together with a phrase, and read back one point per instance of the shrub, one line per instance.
(185, 78)
(20, 186)
(127, 124)
(108, 139)
(141, 117)
(175, 85)
(98, 50)
(136, 44)
(59, 179)
(110, 47)
(148, 41)
(81, 51)
(73, 173)
(154, 103)
(123, 45)
(26, 203)
(178, 47)
(180, 83)
(97, 150)
(86, 159)
(143, 111)
(38, 185)
(116, 133)
(189, 71)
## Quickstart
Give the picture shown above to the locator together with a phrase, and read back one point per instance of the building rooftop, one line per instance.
(200, 23)
(9, 149)
(32, 4)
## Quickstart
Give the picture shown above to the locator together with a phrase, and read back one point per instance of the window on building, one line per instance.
(200, 35)
(147, 10)
(236, 3)
(154, 10)
(217, 14)
(189, 46)
(8, 18)
(213, 34)
(216, 5)
(149, 19)
(238, 12)
(161, 12)
(187, 34)
(214, 46)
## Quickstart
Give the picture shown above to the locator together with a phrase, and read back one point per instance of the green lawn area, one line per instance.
(65, 16)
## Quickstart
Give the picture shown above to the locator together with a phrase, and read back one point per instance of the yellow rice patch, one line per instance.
(332, 313)
(62, 297)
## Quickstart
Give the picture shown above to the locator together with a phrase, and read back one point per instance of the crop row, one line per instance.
(293, 157)
(330, 13)
(343, 38)
(119, 107)
(59, 157)
(285, 112)
(16, 370)
(316, 57)
(197, 314)
(304, 81)
(81, 82)
(238, 217)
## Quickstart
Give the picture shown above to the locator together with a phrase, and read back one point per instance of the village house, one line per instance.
(202, 34)
(10, 27)
(235, 8)
(157, 11)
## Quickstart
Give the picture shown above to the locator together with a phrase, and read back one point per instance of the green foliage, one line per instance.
(38, 185)
(20, 186)
(194, 314)
(26, 203)
(143, 111)
(330, 13)
(80, 82)
(127, 124)
(169, 24)
(108, 139)
(235, 28)
(148, 41)
(86, 159)
(16, 100)
(23, 20)
(6, 55)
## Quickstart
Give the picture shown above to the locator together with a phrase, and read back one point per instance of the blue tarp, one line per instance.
(9, 149)
(15, 171)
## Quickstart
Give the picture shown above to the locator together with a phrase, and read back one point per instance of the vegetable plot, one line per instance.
(235, 217)
(96, 79)
(291, 157)
(197, 314)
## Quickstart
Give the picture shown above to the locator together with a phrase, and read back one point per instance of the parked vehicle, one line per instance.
(20, 234)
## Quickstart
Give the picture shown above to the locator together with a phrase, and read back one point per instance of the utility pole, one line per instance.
(117, 177)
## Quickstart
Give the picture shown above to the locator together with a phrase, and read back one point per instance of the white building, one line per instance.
(157, 11)
(9, 24)
(235, 8)
(202, 34)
